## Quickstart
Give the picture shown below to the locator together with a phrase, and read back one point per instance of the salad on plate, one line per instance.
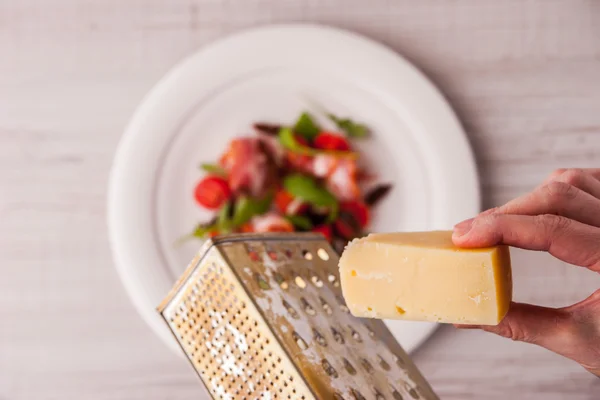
(291, 178)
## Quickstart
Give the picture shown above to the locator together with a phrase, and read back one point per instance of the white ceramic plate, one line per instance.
(272, 74)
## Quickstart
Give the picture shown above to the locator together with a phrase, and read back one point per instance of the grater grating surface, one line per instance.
(262, 317)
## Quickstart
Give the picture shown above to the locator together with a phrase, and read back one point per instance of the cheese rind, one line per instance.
(423, 276)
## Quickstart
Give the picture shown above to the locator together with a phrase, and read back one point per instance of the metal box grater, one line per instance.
(261, 316)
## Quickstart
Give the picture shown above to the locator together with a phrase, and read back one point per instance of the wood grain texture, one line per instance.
(524, 77)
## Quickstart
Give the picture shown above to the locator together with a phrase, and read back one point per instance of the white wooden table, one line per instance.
(524, 76)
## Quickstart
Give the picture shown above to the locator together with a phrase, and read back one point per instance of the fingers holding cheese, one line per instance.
(568, 240)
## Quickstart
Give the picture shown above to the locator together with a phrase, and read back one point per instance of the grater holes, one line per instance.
(333, 280)
(323, 255)
(383, 363)
(272, 255)
(411, 391)
(262, 283)
(355, 335)
(366, 365)
(326, 307)
(307, 307)
(291, 310)
(342, 303)
(399, 361)
(329, 370)
(357, 395)
(378, 395)
(280, 280)
(299, 341)
(307, 255)
(320, 339)
(253, 255)
(349, 367)
(370, 332)
(337, 336)
(316, 281)
(300, 282)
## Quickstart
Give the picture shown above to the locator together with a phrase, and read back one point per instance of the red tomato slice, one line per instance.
(325, 230)
(359, 211)
(212, 192)
(283, 200)
(289, 205)
(331, 141)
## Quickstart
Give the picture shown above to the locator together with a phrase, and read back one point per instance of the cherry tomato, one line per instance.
(331, 141)
(212, 192)
(358, 210)
(283, 200)
(325, 230)
(288, 205)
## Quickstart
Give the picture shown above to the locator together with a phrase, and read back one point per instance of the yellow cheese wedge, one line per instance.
(422, 276)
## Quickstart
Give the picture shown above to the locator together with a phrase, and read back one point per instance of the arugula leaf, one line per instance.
(247, 207)
(306, 127)
(306, 188)
(287, 140)
(200, 231)
(214, 169)
(352, 129)
(300, 221)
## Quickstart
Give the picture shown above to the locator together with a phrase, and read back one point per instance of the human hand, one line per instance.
(562, 217)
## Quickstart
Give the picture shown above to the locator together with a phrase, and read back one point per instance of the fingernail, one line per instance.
(463, 228)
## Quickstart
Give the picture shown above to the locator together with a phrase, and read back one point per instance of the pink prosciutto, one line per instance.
(341, 180)
(271, 222)
(248, 167)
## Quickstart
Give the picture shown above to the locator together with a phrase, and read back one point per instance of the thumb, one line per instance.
(573, 332)
(547, 327)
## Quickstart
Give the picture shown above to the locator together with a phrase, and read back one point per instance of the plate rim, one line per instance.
(129, 276)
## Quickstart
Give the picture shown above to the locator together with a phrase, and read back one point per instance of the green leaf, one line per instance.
(200, 231)
(306, 188)
(287, 140)
(214, 169)
(223, 221)
(203, 230)
(247, 207)
(333, 213)
(352, 129)
(306, 127)
(300, 221)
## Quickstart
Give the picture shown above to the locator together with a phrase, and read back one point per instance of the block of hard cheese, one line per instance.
(422, 276)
